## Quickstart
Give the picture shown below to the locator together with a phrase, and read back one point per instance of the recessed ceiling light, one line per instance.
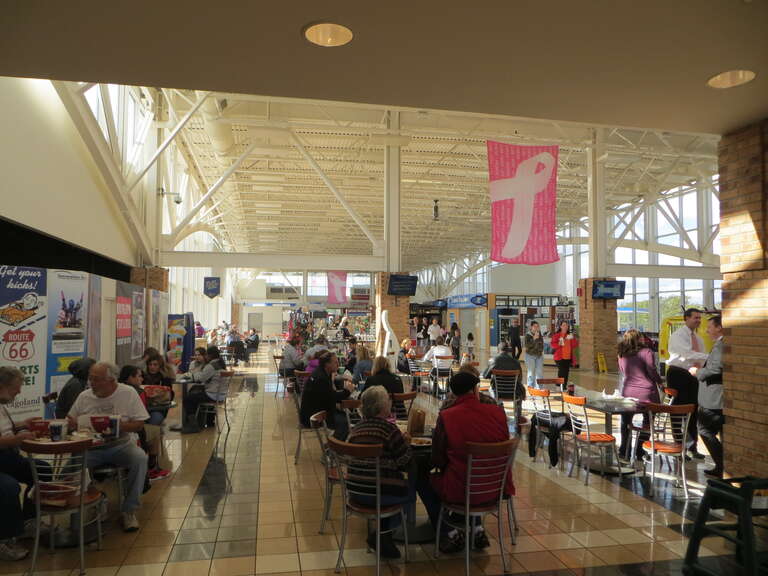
(731, 79)
(328, 34)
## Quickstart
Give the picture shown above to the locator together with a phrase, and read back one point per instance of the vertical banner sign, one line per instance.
(123, 324)
(523, 184)
(211, 286)
(93, 329)
(337, 287)
(23, 334)
(138, 322)
(67, 324)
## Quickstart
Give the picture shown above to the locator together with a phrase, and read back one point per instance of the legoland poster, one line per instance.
(23, 334)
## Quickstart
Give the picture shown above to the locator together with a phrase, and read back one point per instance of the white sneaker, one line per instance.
(130, 522)
(10, 551)
(29, 528)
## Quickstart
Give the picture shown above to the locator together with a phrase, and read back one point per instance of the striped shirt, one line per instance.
(396, 453)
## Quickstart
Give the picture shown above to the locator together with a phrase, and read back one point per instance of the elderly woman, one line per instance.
(376, 429)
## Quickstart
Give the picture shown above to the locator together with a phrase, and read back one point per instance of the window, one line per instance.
(317, 284)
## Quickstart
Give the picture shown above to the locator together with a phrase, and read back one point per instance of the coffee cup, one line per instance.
(58, 430)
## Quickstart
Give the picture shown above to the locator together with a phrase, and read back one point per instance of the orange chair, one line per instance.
(669, 429)
(584, 439)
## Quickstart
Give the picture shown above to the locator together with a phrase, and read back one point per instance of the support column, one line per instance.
(398, 311)
(743, 167)
(392, 197)
(598, 229)
(597, 328)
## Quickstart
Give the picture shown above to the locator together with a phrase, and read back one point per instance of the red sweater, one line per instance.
(467, 420)
(574, 343)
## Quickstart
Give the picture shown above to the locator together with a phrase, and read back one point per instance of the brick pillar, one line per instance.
(743, 163)
(597, 328)
(398, 312)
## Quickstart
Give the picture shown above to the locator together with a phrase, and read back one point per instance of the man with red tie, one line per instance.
(686, 351)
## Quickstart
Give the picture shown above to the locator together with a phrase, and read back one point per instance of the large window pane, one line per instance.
(669, 285)
(642, 311)
(694, 298)
(690, 217)
(623, 256)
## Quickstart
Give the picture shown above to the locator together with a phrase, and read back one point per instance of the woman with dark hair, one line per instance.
(320, 393)
(564, 344)
(381, 375)
(156, 375)
(641, 380)
(198, 360)
(208, 385)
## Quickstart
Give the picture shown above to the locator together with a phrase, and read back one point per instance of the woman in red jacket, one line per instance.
(564, 344)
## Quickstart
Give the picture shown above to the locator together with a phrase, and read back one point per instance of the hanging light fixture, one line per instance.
(327, 34)
(436, 211)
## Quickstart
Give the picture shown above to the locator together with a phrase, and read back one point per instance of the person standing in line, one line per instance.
(455, 343)
(686, 351)
(564, 344)
(514, 338)
(710, 377)
(434, 331)
(534, 354)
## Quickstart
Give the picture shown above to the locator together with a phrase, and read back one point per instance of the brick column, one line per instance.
(743, 164)
(398, 311)
(597, 328)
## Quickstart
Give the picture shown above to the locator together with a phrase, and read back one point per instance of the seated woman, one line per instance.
(381, 375)
(374, 428)
(320, 393)
(156, 374)
(198, 361)
(364, 363)
(402, 357)
(208, 388)
(149, 438)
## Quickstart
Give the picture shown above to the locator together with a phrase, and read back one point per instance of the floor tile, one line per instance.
(616, 555)
(196, 568)
(234, 548)
(275, 563)
(652, 551)
(557, 541)
(136, 570)
(578, 558)
(276, 546)
(627, 536)
(593, 539)
(189, 552)
(148, 555)
(197, 536)
(539, 561)
(237, 533)
(243, 566)
(318, 560)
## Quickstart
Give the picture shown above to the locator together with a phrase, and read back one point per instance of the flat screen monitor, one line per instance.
(608, 289)
(402, 285)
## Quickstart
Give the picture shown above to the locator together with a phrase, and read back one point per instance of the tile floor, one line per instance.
(237, 505)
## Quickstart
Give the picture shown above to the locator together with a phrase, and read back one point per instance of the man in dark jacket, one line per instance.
(321, 394)
(74, 386)
(515, 342)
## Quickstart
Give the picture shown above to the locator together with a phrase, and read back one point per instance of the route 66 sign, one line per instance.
(18, 345)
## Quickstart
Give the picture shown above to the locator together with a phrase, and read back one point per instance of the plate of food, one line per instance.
(420, 441)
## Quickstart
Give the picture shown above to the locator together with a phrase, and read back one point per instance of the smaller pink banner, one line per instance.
(523, 184)
(337, 287)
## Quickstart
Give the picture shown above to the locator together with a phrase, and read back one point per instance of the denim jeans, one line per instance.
(125, 455)
(14, 469)
(535, 367)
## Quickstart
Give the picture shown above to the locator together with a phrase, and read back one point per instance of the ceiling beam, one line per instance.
(651, 271)
(348, 262)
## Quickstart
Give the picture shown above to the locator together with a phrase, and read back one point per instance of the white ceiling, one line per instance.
(633, 64)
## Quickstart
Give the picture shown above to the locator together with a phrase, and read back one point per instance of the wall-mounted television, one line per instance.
(402, 285)
(608, 289)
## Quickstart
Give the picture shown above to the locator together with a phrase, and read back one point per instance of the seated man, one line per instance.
(467, 420)
(14, 470)
(506, 361)
(440, 368)
(108, 397)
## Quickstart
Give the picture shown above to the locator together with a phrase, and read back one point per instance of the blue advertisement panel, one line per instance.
(211, 286)
(467, 301)
(23, 334)
(67, 324)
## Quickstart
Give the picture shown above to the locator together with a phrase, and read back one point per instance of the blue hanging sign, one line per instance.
(479, 300)
(212, 286)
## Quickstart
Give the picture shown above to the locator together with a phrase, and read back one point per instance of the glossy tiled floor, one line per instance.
(237, 505)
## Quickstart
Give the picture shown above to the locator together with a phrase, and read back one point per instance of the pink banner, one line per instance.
(337, 287)
(523, 183)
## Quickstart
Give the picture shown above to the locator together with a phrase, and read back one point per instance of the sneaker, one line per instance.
(158, 474)
(481, 540)
(130, 522)
(388, 548)
(451, 544)
(10, 551)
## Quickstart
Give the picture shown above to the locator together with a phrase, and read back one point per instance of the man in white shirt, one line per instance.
(686, 350)
(441, 367)
(434, 332)
(108, 397)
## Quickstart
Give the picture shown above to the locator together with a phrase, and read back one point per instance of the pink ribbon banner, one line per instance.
(523, 183)
(337, 287)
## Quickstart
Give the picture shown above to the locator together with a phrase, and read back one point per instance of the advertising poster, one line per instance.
(138, 323)
(123, 323)
(337, 287)
(523, 188)
(212, 286)
(67, 324)
(23, 334)
(93, 329)
(157, 319)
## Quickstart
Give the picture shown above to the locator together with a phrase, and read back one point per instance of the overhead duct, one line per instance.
(219, 133)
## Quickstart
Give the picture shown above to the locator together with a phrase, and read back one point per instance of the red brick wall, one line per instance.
(597, 329)
(743, 164)
(398, 311)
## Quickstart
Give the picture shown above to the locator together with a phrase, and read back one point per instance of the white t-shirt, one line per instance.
(434, 331)
(6, 424)
(124, 401)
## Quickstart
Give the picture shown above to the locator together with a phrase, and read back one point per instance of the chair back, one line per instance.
(351, 407)
(577, 410)
(301, 378)
(506, 382)
(444, 363)
(225, 379)
(488, 466)
(277, 358)
(541, 405)
(670, 395)
(545, 382)
(318, 423)
(58, 472)
(402, 402)
(670, 423)
(359, 467)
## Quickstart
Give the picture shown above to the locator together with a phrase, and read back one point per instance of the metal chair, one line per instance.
(669, 396)
(61, 487)
(441, 375)
(359, 469)
(417, 372)
(669, 430)
(317, 423)
(205, 408)
(583, 437)
(402, 402)
(543, 412)
(488, 466)
(351, 408)
(507, 384)
(301, 378)
(277, 359)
